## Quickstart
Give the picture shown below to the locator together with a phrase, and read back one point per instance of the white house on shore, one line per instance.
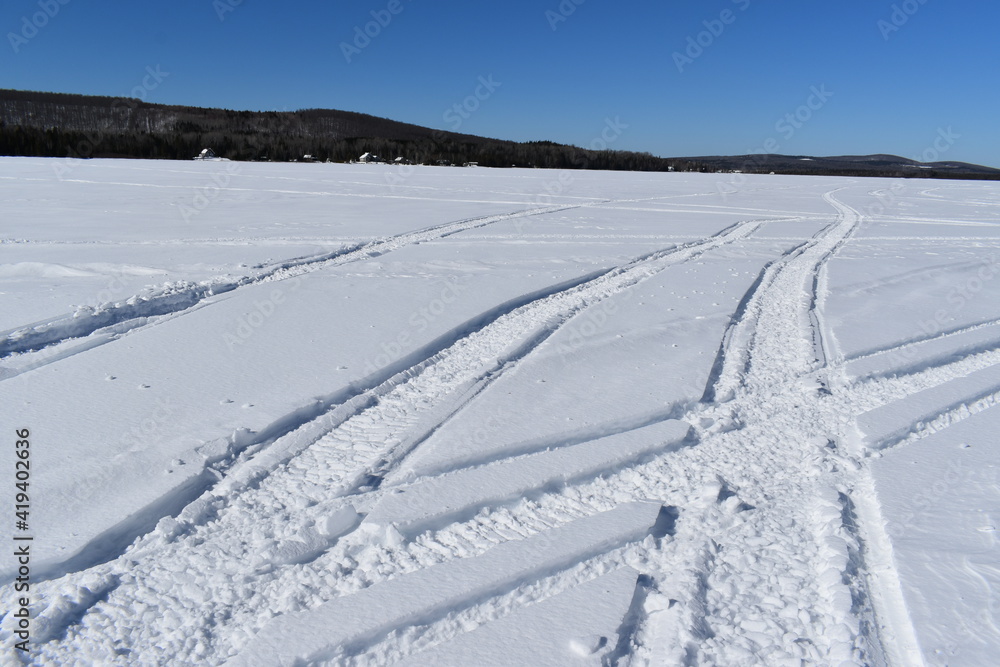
(370, 158)
(209, 154)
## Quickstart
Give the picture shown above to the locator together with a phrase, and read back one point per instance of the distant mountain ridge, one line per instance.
(68, 125)
(843, 164)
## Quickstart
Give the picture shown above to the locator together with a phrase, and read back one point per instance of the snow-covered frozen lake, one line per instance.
(311, 414)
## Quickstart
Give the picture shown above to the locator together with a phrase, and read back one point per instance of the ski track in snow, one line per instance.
(775, 553)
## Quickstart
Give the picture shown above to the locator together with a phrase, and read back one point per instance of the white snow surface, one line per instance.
(316, 414)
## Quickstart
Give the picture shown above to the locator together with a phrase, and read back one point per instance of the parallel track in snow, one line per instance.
(344, 451)
(144, 310)
(776, 552)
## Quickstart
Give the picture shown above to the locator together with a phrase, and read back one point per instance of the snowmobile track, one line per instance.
(321, 468)
(770, 532)
(139, 311)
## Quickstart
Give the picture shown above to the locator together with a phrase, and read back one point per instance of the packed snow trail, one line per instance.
(765, 547)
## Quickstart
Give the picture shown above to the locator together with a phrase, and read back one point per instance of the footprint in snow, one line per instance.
(588, 645)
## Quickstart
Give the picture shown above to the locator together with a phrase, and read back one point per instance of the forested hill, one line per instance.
(59, 125)
(65, 125)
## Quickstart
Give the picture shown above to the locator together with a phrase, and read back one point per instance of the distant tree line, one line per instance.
(250, 145)
(63, 125)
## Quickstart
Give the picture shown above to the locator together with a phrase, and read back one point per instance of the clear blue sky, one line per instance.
(893, 90)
